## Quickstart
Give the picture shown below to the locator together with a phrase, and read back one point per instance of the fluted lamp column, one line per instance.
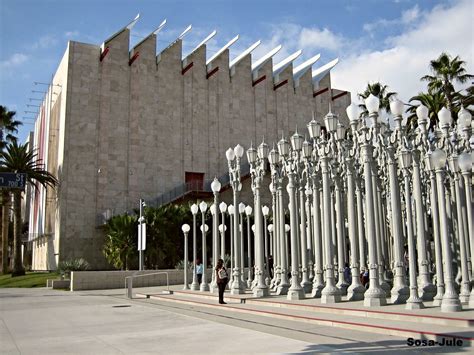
(195, 284)
(265, 212)
(185, 228)
(248, 213)
(450, 302)
(233, 158)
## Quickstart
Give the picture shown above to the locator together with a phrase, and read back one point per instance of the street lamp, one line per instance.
(231, 211)
(241, 229)
(195, 284)
(265, 212)
(450, 302)
(215, 187)
(185, 228)
(233, 158)
(223, 209)
(248, 212)
(413, 302)
(204, 229)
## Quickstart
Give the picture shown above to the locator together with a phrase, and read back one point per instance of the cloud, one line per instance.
(315, 38)
(407, 17)
(15, 60)
(44, 42)
(407, 57)
(70, 34)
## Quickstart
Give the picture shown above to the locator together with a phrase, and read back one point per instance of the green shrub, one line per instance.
(79, 264)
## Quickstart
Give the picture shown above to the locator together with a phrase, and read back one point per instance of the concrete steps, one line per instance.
(394, 323)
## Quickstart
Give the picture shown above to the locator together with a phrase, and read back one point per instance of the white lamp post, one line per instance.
(248, 212)
(195, 284)
(413, 302)
(185, 228)
(241, 229)
(233, 158)
(265, 212)
(231, 211)
(450, 302)
(204, 229)
(141, 236)
(223, 209)
(215, 187)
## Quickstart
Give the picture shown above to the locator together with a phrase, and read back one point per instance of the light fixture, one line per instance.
(314, 128)
(439, 159)
(223, 207)
(215, 185)
(252, 155)
(273, 156)
(230, 155)
(330, 120)
(283, 147)
(239, 151)
(352, 112)
(396, 107)
(203, 206)
(248, 210)
(241, 207)
(372, 103)
(265, 210)
(444, 116)
(263, 150)
(465, 162)
(307, 149)
(405, 158)
(185, 228)
(297, 141)
(194, 209)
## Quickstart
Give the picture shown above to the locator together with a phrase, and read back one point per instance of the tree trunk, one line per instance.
(4, 229)
(18, 269)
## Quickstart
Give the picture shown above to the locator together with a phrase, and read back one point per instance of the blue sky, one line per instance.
(387, 40)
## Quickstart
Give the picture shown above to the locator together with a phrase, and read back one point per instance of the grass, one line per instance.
(31, 279)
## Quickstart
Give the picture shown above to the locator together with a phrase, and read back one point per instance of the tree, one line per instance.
(120, 247)
(434, 101)
(378, 90)
(446, 72)
(8, 127)
(19, 159)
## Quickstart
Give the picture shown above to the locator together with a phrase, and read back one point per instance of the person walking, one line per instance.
(199, 270)
(222, 279)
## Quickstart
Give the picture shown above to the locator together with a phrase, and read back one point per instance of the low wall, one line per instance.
(101, 280)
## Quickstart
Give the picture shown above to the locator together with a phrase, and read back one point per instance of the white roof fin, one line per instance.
(133, 22)
(319, 73)
(220, 51)
(302, 68)
(263, 60)
(205, 40)
(278, 68)
(185, 32)
(244, 53)
(160, 27)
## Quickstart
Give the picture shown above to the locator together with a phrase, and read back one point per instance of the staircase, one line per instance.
(392, 320)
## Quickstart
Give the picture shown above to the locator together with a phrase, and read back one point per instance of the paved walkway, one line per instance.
(43, 321)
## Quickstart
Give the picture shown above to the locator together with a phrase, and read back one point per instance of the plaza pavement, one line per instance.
(44, 321)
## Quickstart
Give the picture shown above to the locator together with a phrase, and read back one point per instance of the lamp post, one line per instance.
(241, 228)
(257, 159)
(185, 228)
(272, 252)
(223, 209)
(450, 302)
(265, 212)
(248, 212)
(375, 295)
(215, 187)
(291, 164)
(204, 229)
(195, 284)
(413, 302)
(231, 211)
(141, 237)
(233, 158)
(277, 171)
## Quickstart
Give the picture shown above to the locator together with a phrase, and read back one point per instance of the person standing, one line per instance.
(199, 270)
(222, 279)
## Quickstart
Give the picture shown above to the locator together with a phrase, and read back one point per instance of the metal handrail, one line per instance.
(129, 285)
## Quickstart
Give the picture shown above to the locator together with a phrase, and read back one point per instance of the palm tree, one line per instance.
(120, 245)
(434, 101)
(19, 159)
(8, 127)
(446, 71)
(380, 91)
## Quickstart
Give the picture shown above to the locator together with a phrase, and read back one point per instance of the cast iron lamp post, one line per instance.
(248, 213)
(233, 158)
(195, 284)
(265, 212)
(223, 209)
(185, 228)
(204, 229)
(257, 159)
(277, 172)
(215, 187)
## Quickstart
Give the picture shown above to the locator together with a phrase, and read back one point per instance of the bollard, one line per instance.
(129, 288)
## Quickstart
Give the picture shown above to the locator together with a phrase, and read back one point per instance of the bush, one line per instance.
(80, 264)
(180, 265)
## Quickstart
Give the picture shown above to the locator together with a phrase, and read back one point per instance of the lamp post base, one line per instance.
(414, 303)
(204, 287)
(427, 291)
(195, 286)
(399, 294)
(316, 291)
(450, 305)
(375, 297)
(355, 293)
(282, 290)
(295, 294)
(330, 294)
(260, 291)
(307, 286)
(342, 286)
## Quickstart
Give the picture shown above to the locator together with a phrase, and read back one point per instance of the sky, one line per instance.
(391, 41)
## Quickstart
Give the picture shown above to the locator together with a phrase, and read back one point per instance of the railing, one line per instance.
(129, 284)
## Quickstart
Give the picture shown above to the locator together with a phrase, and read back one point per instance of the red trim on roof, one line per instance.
(135, 56)
(185, 69)
(319, 92)
(259, 80)
(339, 95)
(212, 72)
(280, 84)
(104, 53)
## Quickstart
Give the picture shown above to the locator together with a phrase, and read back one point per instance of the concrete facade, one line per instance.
(128, 124)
